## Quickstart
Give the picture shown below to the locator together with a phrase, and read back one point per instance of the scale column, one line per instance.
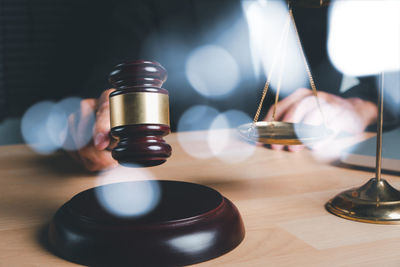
(379, 129)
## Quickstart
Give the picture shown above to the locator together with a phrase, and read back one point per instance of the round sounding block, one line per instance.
(188, 223)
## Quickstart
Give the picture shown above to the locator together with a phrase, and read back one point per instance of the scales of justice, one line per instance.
(374, 202)
(191, 223)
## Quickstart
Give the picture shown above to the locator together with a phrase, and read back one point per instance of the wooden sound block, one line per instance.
(191, 223)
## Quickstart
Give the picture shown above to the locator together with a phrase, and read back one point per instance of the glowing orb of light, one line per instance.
(34, 128)
(223, 138)
(124, 199)
(80, 128)
(191, 130)
(193, 242)
(44, 126)
(212, 71)
(364, 36)
(57, 121)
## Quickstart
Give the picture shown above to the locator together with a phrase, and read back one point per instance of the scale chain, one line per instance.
(282, 67)
(310, 77)
(266, 86)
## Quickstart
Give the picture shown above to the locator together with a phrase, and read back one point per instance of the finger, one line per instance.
(313, 117)
(277, 147)
(75, 138)
(105, 96)
(295, 148)
(290, 115)
(297, 111)
(86, 122)
(70, 142)
(286, 103)
(101, 130)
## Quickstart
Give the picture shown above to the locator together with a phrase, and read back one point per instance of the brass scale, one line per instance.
(374, 202)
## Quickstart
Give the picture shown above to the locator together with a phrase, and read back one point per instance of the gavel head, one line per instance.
(139, 110)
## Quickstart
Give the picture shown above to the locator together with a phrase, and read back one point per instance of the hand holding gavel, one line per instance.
(94, 156)
(136, 114)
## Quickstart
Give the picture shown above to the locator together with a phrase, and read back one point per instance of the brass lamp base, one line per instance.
(374, 202)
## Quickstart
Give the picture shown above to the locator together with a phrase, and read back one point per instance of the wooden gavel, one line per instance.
(139, 113)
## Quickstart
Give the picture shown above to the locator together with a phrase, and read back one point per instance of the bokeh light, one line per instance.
(224, 140)
(34, 128)
(364, 36)
(128, 199)
(212, 71)
(218, 136)
(57, 122)
(80, 128)
(193, 242)
(203, 133)
(192, 126)
(44, 126)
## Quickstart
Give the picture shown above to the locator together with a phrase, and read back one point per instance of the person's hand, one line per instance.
(89, 130)
(351, 115)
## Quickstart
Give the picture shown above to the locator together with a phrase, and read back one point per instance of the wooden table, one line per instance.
(280, 195)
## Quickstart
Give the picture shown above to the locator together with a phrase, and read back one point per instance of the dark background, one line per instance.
(51, 49)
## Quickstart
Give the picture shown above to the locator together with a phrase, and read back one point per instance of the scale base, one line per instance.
(374, 202)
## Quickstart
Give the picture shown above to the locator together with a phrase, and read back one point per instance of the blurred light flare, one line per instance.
(57, 124)
(35, 130)
(364, 39)
(57, 121)
(128, 199)
(266, 20)
(193, 243)
(225, 142)
(192, 126)
(203, 133)
(364, 36)
(212, 71)
(218, 135)
(44, 126)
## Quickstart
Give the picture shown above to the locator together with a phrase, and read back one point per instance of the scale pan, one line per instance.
(283, 133)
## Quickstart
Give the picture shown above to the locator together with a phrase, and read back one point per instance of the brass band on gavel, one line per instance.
(139, 108)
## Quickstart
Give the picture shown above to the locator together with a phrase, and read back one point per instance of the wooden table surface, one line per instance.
(280, 195)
